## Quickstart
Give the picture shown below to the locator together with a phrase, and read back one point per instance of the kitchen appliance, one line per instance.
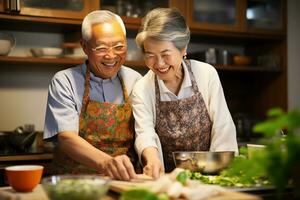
(18, 141)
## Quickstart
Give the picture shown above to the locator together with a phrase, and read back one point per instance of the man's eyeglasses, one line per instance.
(103, 50)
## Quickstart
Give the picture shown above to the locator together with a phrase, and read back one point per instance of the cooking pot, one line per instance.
(21, 139)
(7, 43)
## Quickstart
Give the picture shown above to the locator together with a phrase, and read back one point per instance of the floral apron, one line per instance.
(107, 126)
(182, 125)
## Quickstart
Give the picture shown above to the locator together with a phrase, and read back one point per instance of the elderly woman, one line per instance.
(179, 104)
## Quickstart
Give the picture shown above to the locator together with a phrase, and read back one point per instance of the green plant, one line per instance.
(279, 162)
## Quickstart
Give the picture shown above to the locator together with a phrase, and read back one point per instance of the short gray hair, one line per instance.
(165, 24)
(98, 17)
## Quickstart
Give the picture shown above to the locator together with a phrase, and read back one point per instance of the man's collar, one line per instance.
(98, 79)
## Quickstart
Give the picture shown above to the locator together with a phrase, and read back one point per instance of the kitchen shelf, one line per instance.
(45, 156)
(63, 60)
(247, 68)
(133, 64)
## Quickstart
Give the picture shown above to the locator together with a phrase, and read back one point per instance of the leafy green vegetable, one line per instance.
(142, 194)
(279, 162)
(182, 177)
(76, 189)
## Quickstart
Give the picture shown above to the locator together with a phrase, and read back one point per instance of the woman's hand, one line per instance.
(119, 167)
(153, 166)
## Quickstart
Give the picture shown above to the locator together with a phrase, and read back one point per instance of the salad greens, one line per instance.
(76, 189)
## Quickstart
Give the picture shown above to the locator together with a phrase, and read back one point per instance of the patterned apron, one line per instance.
(107, 126)
(182, 125)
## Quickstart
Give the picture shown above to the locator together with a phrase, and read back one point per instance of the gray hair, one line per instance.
(98, 17)
(165, 24)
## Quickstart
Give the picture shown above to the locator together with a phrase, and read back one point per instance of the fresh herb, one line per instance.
(279, 161)
(182, 177)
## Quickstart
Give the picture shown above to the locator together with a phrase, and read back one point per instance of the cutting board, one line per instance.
(120, 186)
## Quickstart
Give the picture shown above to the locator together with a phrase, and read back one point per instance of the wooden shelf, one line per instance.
(45, 156)
(246, 68)
(38, 19)
(54, 61)
(133, 64)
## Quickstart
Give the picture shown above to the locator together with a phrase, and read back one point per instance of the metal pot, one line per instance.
(206, 162)
(20, 139)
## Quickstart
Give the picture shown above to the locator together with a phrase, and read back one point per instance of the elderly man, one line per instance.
(89, 114)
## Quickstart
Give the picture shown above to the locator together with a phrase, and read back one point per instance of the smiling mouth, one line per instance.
(163, 70)
(110, 65)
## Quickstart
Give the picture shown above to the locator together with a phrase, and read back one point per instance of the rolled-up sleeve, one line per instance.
(61, 110)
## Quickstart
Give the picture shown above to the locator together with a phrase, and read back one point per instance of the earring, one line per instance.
(184, 57)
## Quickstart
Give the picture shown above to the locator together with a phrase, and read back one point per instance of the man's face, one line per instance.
(106, 50)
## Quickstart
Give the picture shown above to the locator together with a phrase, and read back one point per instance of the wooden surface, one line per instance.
(38, 193)
(119, 186)
(46, 156)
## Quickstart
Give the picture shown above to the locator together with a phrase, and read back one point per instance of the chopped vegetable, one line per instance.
(182, 177)
(142, 194)
(76, 189)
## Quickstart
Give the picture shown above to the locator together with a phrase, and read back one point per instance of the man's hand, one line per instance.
(119, 167)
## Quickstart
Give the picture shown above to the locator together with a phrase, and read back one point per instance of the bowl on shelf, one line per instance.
(75, 187)
(7, 43)
(24, 178)
(242, 60)
(47, 52)
(205, 162)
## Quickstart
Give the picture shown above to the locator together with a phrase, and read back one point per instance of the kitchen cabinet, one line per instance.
(257, 27)
(265, 15)
(132, 11)
(75, 9)
(256, 16)
(214, 15)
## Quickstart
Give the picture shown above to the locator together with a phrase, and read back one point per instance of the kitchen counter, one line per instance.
(42, 156)
(39, 194)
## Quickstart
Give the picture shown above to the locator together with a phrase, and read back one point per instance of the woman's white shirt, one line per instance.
(223, 134)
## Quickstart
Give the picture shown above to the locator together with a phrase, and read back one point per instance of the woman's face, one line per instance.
(163, 58)
(106, 50)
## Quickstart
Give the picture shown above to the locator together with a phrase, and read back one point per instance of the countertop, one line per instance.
(8, 193)
(38, 193)
(42, 156)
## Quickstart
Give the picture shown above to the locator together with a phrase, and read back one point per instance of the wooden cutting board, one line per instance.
(120, 186)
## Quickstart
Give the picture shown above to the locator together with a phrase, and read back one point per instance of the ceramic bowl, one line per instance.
(242, 60)
(7, 43)
(24, 178)
(47, 52)
(206, 162)
(75, 187)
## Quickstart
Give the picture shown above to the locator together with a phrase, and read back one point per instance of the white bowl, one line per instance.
(46, 52)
